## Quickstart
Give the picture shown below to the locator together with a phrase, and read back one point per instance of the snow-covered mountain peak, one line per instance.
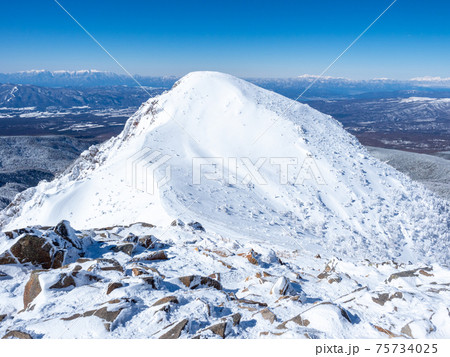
(193, 79)
(248, 164)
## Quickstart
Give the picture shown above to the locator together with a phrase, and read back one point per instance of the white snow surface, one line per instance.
(278, 293)
(350, 204)
(425, 99)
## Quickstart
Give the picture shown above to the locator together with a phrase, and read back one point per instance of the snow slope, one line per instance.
(118, 290)
(337, 197)
(432, 171)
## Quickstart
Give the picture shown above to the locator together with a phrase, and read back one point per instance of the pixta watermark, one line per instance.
(142, 168)
(148, 170)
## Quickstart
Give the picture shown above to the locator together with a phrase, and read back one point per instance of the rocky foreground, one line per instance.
(142, 281)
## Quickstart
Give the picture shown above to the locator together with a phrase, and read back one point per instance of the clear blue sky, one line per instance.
(245, 38)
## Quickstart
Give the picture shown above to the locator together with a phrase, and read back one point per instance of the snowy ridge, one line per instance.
(351, 204)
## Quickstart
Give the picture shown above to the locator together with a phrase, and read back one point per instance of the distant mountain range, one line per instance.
(83, 78)
(338, 88)
(411, 114)
(44, 98)
(324, 87)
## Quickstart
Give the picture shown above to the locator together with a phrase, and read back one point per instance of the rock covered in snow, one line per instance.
(174, 331)
(281, 287)
(197, 282)
(101, 295)
(48, 249)
(17, 335)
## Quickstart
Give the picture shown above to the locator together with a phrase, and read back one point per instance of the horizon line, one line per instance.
(301, 76)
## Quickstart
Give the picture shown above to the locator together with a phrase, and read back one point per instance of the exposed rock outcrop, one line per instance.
(196, 282)
(175, 331)
(49, 250)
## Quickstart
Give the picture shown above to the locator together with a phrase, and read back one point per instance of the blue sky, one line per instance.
(244, 38)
